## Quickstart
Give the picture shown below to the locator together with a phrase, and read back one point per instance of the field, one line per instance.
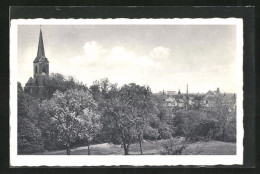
(153, 148)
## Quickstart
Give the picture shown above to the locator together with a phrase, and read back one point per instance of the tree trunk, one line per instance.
(126, 149)
(88, 149)
(141, 148)
(223, 134)
(140, 142)
(68, 149)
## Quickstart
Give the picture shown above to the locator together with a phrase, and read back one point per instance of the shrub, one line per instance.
(231, 131)
(173, 146)
(150, 133)
(202, 130)
(164, 132)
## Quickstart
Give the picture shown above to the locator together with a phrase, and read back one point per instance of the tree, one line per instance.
(143, 107)
(102, 91)
(59, 82)
(96, 92)
(198, 99)
(120, 122)
(194, 124)
(127, 114)
(90, 125)
(150, 133)
(164, 124)
(65, 111)
(226, 119)
(29, 135)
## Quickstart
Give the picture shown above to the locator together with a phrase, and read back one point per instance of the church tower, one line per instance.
(40, 63)
(35, 85)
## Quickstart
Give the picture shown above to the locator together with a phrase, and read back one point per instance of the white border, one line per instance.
(117, 160)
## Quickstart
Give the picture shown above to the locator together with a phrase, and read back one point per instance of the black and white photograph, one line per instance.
(93, 92)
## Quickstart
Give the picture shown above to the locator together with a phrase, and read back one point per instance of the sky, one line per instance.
(165, 57)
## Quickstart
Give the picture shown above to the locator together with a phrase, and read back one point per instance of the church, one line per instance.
(35, 85)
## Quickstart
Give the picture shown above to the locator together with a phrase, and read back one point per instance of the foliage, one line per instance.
(215, 122)
(174, 146)
(127, 113)
(195, 124)
(226, 126)
(90, 125)
(230, 132)
(29, 135)
(59, 82)
(71, 113)
(164, 131)
(150, 133)
(164, 123)
(102, 91)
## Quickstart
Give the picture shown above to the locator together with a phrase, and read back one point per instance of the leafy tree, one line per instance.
(143, 107)
(54, 82)
(215, 122)
(102, 90)
(49, 130)
(29, 135)
(105, 86)
(226, 119)
(119, 121)
(150, 133)
(163, 111)
(127, 114)
(59, 82)
(198, 99)
(164, 124)
(96, 92)
(90, 125)
(66, 111)
(194, 124)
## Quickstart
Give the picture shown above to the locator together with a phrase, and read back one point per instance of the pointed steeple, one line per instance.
(40, 53)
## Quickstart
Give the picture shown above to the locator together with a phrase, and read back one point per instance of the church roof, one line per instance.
(210, 92)
(30, 81)
(40, 53)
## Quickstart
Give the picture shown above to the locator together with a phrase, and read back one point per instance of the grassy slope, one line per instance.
(211, 148)
(153, 148)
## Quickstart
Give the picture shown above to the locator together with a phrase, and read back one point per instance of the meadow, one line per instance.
(152, 148)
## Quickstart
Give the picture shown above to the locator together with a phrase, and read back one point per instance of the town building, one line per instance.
(170, 93)
(171, 102)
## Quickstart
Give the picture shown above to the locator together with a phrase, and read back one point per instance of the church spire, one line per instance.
(40, 52)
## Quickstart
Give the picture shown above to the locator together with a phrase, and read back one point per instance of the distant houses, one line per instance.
(171, 102)
(170, 93)
(172, 99)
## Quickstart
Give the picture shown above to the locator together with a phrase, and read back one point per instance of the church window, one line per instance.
(44, 70)
(36, 69)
